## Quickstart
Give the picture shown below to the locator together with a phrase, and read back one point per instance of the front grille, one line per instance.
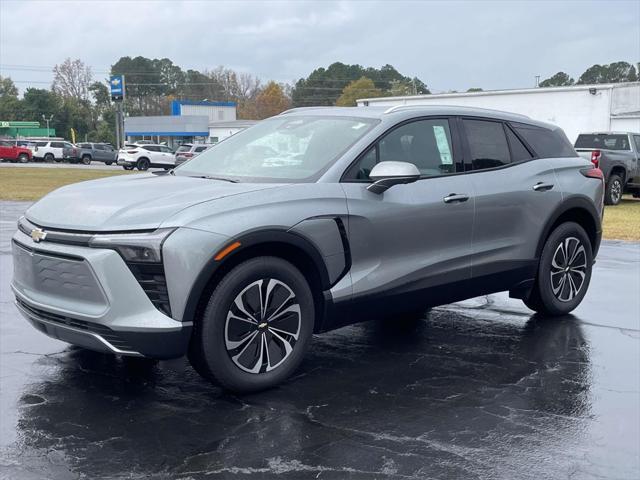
(151, 278)
(103, 331)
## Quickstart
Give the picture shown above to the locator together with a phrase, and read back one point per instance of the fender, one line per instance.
(248, 240)
(570, 203)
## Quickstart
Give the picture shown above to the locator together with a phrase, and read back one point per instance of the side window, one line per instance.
(41, 144)
(57, 145)
(151, 148)
(200, 149)
(487, 144)
(166, 149)
(5, 144)
(98, 147)
(546, 143)
(425, 143)
(636, 139)
(519, 152)
(362, 169)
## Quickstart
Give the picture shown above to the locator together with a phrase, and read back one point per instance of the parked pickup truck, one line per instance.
(11, 151)
(86, 152)
(617, 154)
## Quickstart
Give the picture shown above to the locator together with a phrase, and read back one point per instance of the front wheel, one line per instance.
(564, 271)
(613, 190)
(128, 167)
(23, 158)
(256, 326)
(86, 160)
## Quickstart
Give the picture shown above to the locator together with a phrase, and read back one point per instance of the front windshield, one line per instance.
(283, 148)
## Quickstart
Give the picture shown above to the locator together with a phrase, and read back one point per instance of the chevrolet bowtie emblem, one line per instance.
(37, 235)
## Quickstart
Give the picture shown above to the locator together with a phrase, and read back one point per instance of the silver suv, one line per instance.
(308, 221)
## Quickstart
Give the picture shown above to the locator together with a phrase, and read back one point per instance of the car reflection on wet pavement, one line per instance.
(479, 389)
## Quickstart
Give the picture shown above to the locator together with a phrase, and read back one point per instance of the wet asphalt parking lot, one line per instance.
(479, 389)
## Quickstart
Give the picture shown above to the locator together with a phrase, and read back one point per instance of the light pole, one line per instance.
(48, 120)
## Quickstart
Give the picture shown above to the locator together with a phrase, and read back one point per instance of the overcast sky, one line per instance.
(449, 45)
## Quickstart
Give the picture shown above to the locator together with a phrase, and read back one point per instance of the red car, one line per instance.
(10, 151)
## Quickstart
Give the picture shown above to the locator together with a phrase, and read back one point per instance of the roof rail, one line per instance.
(395, 108)
(298, 109)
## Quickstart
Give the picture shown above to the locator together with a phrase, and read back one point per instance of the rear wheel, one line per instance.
(86, 160)
(613, 191)
(128, 167)
(256, 326)
(564, 271)
(23, 158)
(143, 163)
(48, 157)
(108, 162)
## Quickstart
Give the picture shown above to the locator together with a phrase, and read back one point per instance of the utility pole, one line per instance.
(48, 120)
(537, 81)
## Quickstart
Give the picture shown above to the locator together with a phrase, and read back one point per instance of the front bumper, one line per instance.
(89, 297)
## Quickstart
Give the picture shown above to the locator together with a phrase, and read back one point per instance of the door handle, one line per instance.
(542, 187)
(455, 198)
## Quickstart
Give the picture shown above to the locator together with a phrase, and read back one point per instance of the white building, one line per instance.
(215, 111)
(218, 131)
(576, 109)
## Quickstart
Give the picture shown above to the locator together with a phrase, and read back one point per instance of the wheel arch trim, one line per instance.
(247, 241)
(576, 203)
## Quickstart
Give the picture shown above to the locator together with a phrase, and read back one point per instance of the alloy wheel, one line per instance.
(568, 269)
(262, 326)
(616, 191)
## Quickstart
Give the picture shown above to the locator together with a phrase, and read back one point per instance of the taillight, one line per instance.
(188, 155)
(594, 172)
(132, 151)
(595, 157)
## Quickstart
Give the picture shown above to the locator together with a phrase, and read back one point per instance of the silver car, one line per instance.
(187, 151)
(308, 221)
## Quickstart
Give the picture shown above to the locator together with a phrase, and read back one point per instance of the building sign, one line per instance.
(116, 83)
(10, 124)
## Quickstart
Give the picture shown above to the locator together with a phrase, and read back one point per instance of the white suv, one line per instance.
(50, 150)
(144, 156)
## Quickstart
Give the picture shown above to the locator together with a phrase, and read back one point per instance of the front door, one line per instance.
(413, 238)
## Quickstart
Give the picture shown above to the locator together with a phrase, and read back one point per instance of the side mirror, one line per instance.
(387, 174)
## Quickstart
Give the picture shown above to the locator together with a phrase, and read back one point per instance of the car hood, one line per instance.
(129, 202)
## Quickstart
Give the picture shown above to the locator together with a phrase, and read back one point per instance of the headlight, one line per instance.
(134, 247)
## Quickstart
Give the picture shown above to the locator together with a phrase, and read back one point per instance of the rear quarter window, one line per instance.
(546, 143)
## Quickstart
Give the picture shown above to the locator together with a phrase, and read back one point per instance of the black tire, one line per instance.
(108, 162)
(23, 158)
(86, 160)
(48, 157)
(143, 164)
(208, 352)
(128, 167)
(613, 191)
(558, 297)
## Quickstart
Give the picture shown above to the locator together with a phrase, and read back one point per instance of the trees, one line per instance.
(612, 73)
(560, 79)
(71, 79)
(271, 101)
(323, 86)
(362, 88)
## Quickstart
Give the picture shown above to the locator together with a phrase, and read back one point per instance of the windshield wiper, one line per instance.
(209, 177)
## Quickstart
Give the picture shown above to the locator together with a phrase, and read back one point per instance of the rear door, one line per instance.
(636, 172)
(56, 149)
(412, 238)
(167, 157)
(514, 195)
